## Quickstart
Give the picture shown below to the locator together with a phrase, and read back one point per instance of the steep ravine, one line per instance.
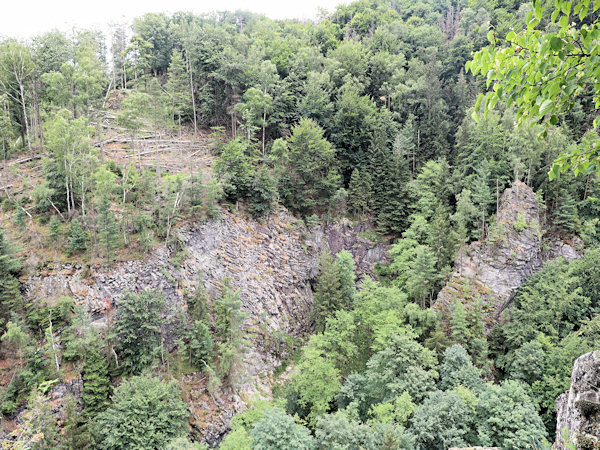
(271, 263)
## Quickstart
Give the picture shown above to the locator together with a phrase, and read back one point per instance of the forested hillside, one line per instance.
(225, 231)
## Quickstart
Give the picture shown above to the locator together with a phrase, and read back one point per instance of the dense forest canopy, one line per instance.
(409, 116)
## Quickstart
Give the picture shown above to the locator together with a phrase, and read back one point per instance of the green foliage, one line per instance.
(520, 224)
(72, 158)
(359, 193)
(338, 431)
(108, 233)
(346, 267)
(391, 371)
(309, 171)
(146, 412)
(316, 380)
(55, 232)
(278, 430)
(263, 193)
(96, 382)
(77, 239)
(443, 420)
(234, 168)
(10, 266)
(389, 184)
(546, 59)
(328, 296)
(457, 369)
(138, 329)
(551, 302)
(565, 216)
(507, 418)
(200, 343)
(231, 341)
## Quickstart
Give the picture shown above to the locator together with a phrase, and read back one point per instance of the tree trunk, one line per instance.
(193, 96)
(22, 92)
(263, 133)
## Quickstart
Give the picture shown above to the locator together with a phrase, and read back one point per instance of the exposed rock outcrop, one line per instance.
(272, 264)
(494, 269)
(578, 409)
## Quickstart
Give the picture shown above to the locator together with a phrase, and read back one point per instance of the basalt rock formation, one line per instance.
(272, 264)
(493, 269)
(578, 409)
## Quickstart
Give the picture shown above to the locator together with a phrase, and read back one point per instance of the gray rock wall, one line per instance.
(495, 268)
(578, 409)
(272, 264)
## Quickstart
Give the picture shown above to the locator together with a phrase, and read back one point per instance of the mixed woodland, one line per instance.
(368, 114)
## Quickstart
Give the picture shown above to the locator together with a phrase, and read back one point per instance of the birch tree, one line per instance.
(16, 73)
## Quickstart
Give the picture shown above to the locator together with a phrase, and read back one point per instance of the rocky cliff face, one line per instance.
(495, 268)
(272, 265)
(578, 409)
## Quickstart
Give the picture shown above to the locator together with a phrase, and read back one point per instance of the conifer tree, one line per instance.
(230, 319)
(96, 381)
(565, 216)
(345, 264)
(359, 193)
(482, 194)
(459, 326)
(75, 427)
(54, 229)
(20, 218)
(108, 234)
(328, 292)
(77, 241)
(178, 88)
(423, 276)
(10, 266)
(137, 329)
(442, 239)
(389, 179)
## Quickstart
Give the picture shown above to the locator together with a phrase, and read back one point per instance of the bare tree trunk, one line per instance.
(53, 345)
(67, 188)
(22, 92)
(193, 95)
(263, 133)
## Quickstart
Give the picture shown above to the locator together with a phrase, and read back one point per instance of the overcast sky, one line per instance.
(24, 19)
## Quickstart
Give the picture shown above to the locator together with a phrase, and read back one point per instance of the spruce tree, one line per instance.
(20, 218)
(482, 194)
(96, 382)
(459, 326)
(389, 177)
(565, 216)
(345, 264)
(230, 319)
(379, 169)
(138, 329)
(328, 296)
(54, 229)
(108, 234)
(442, 238)
(359, 193)
(10, 288)
(9, 264)
(77, 241)
(423, 275)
